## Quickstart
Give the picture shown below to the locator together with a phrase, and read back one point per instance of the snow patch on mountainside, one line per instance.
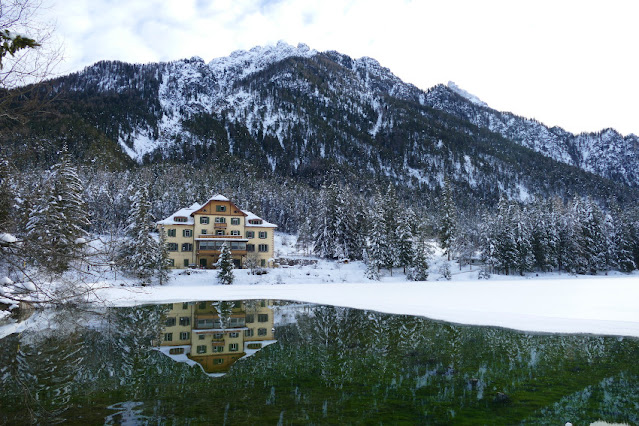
(474, 99)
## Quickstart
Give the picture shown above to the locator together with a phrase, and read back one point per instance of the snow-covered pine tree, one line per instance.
(621, 239)
(388, 209)
(327, 222)
(162, 261)
(372, 265)
(345, 245)
(225, 265)
(305, 236)
(592, 238)
(377, 241)
(405, 245)
(139, 252)
(6, 197)
(58, 218)
(418, 269)
(525, 257)
(448, 226)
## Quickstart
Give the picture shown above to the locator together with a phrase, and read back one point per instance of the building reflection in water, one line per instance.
(214, 335)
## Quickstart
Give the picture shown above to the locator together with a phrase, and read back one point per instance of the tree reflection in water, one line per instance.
(323, 364)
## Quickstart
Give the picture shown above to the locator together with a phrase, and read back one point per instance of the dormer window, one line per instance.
(255, 221)
(219, 208)
(179, 218)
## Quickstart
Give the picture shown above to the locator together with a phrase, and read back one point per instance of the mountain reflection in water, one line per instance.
(251, 361)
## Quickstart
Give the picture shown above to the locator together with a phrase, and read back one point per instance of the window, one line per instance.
(185, 321)
(170, 233)
(234, 334)
(202, 305)
(262, 262)
(262, 317)
(176, 351)
(250, 318)
(179, 219)
(250, 234)
(171, 262)
(248, 333)
(204, 220)
(237, 322)
(185, 335)
(233, 347)
(187, 233)
(261, 332)
(172, 246)
(220, 220)
(218, 348)
(203, 231)
(218, 361)
(187, 247)
(218, 336)
(235, 221)
(201, 349)
(219, 208)
(170, 322)
(235, 233)
(186, 263)
(185, 305)
(219, 232)
(263, 248)
(200, 336)
(255, 221)
(262, 234)
(168, 337)
(250, 247)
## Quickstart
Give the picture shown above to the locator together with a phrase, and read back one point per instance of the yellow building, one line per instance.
(215, 335)
(195, 235)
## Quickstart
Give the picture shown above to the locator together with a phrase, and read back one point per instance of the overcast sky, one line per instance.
(574, 64)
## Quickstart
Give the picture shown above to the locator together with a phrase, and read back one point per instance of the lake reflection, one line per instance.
(215, 334)
(265, 361)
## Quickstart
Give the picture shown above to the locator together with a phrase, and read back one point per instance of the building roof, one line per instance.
(186, 212)
(251, 216)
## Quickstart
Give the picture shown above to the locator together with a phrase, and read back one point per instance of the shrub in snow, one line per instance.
(444, 270)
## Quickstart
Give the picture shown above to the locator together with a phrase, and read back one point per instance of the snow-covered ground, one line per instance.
(537, 302)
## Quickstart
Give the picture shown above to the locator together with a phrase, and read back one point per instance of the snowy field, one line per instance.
(556, 303)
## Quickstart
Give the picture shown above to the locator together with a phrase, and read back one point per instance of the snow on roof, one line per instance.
(8, 238)
(252, 216)
(217, 197)
(186, 212)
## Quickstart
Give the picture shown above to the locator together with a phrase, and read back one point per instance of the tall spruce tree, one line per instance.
(448, 226)
(58, 218)
(225, 265)
(162, 259)
(139, 252)
(326, 227)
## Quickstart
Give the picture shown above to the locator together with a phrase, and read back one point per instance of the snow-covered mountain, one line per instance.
(293, 111)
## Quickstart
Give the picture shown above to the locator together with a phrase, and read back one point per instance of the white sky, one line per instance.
(574, 64)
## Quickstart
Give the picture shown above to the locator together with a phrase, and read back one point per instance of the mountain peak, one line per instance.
(461, 92)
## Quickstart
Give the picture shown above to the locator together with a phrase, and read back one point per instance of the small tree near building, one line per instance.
(225, 266)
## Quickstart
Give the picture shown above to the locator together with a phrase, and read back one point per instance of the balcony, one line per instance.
(226, 237)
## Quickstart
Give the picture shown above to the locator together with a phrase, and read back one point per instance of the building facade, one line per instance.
(195, 235)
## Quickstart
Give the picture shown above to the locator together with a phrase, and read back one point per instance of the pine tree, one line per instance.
(225, 265)
(621, 240)
(378, 241)
(448, 227)
(406, 250)
(162, 261)
(418, 269)
(326, 228)
(305, 236)
(139, 252)
(388, 209)
(58, 218)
